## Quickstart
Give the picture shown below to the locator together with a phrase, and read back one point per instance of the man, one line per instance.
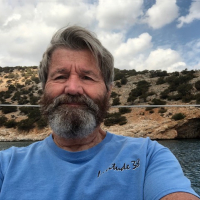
(80, 160)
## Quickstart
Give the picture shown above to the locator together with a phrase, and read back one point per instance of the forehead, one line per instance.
(65, 61)
(63, 56)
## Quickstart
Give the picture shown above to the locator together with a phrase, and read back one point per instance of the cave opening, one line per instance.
(190, 129)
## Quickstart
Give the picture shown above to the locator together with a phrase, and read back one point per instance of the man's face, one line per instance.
(76, 98)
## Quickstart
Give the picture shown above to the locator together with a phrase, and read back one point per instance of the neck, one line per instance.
(80, 144)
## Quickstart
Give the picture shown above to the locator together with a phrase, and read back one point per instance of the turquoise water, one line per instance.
(186, 151)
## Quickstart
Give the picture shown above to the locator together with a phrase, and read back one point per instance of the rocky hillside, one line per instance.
(20, 86)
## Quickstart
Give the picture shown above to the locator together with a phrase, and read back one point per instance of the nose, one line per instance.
(73, 86)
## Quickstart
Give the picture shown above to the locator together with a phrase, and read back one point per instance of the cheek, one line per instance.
(53, 90)
(94, 93)
(98, 95)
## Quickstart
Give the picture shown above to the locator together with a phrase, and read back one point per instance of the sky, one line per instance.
(141, 34)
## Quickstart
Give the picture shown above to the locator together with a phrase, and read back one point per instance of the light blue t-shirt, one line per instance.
(117, 168)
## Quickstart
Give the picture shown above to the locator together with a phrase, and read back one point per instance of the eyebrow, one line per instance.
(90, 72)
(59, 71)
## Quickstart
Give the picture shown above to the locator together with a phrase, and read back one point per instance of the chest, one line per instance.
(115, 178)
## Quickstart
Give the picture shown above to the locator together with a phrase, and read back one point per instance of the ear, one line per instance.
(109, 90)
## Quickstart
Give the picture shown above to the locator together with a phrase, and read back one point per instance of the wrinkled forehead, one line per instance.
(65, 60)
(90, 55)
(71, 55)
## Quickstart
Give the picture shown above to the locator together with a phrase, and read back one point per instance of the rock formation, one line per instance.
(140, 122)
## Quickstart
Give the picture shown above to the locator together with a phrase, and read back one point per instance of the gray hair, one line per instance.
(78, 38)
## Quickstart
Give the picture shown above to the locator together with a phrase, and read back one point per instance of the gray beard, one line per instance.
(72, 123)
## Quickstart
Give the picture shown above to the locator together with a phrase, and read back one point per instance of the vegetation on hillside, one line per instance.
(20, 85)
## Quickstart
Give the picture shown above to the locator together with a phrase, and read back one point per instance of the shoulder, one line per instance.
(143, 144)
(146, 150)
(6, 156)
(160, 166)
(153, 153)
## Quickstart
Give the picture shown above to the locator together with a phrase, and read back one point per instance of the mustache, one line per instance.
(67, 99)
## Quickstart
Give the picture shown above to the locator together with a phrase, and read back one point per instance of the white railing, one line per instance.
(123, 106)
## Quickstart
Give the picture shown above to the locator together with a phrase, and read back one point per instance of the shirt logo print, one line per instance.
(134, 165)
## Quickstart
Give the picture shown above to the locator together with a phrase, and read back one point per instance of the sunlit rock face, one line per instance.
(160, 126)
(140, 122)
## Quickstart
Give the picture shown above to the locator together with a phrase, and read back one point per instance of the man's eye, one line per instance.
(87, 78)
(59, 77)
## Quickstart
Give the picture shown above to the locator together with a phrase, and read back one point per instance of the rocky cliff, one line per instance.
(141, 122)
